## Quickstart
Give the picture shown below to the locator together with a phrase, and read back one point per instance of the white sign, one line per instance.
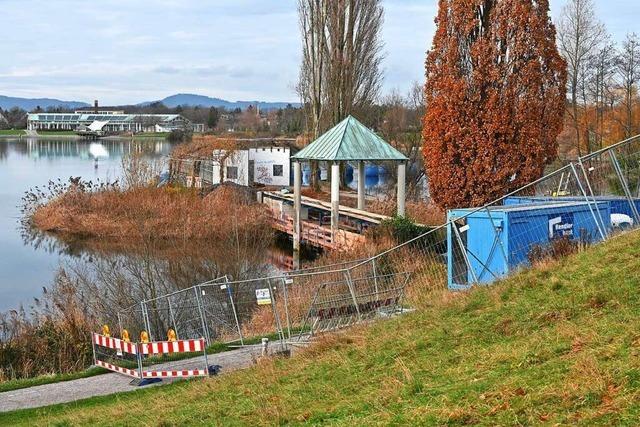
(263, 296)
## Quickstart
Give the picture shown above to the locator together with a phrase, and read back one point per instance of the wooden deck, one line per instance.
(316, 227)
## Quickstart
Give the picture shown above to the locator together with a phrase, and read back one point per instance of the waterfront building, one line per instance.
(269, 166)
(114, 121)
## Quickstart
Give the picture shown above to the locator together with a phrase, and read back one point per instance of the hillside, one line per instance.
(28, 104)
(172, 101)
(560, 344)
(185, 99)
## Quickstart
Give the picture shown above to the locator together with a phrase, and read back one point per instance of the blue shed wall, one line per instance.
(500, 240)
(619, 205)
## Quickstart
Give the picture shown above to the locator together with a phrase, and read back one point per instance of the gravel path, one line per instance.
(99, 385)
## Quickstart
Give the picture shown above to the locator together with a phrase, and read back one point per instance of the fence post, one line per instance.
(352, 291)
(275, 313)
(173, 319)
(145, 319)
(235, 313)
(119, 323)
(203, 320)
(375, 275)
(601, 224)
(285, 281)
(498, 234)
(139, 357)
(625, 186)
(93, 348)
(206, 360)
(463, 250)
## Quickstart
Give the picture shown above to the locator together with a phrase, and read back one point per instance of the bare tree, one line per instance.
(355, 55)
(311, 84)
(629, 75)
(341, 60)
(599, 88)
(580, 34)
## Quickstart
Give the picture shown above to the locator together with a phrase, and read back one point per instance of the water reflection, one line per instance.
(26, 264)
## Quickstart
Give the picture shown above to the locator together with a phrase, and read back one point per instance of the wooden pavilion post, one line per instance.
(402, 179)
(297, 207)
(335, 200)
(361, 182)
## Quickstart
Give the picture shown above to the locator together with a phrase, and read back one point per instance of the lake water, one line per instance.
(25, 163)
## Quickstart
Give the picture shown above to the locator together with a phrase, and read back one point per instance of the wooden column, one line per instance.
(335, 199)
(361, 182)
(297, 205)
(402, 178)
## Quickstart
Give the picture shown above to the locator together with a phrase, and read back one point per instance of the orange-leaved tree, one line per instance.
(495, 95)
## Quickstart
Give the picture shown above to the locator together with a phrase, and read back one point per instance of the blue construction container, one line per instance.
(493, 242)
(619, 204)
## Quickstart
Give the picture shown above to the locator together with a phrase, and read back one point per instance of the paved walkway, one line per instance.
(99, 385)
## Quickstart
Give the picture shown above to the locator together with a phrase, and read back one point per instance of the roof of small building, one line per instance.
(350, 140)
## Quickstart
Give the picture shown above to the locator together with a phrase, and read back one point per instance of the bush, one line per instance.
(180, 135)
(402, 229)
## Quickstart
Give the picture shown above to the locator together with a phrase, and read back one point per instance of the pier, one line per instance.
(315, 221)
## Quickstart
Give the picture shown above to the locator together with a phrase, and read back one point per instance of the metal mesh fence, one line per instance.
(116, 355)
(578, 205)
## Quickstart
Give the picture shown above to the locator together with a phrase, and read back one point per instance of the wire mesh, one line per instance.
(115, 355)
(577, 205)
(173, 359)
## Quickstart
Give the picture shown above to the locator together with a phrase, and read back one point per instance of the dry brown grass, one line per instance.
(149, 212)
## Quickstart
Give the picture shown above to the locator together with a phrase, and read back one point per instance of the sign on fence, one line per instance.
(263, 296)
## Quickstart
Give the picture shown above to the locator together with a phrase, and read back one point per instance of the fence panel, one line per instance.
(575, 206)
(116, 355)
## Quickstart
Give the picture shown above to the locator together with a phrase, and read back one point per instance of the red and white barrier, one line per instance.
(129, 372)
(175, 374)
(151, 349)
(170, 347)
(115, 344)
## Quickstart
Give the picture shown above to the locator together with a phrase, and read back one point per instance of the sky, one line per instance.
(124, 51)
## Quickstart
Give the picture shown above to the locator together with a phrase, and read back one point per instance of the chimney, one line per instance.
(95, 106)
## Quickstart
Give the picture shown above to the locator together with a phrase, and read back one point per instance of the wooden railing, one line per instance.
(318, 235)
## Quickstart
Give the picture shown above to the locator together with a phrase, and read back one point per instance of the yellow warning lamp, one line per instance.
(105, 331)
(125, 336)
(171, 335)
(144, 337)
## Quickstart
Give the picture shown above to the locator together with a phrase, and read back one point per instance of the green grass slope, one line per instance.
(556, 345)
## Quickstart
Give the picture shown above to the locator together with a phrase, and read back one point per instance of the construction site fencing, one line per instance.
(145, 360)
(580, 204)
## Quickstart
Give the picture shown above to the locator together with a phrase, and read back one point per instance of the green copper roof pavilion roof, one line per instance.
(350, 140)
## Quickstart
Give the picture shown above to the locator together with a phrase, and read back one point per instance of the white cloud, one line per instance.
(123, 51)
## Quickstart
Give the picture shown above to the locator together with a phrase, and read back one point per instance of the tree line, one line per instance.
(603, 104)
(507, 93)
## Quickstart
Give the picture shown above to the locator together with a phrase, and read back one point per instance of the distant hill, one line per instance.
(7, 102)
(172, 101)
(186, 99)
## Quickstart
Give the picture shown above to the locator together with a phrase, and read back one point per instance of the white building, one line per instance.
(116, 121)
(266, 165)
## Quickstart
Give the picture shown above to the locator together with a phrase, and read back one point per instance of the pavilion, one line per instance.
(349, 141)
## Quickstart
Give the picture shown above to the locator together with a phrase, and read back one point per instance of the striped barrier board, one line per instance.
(169, 347)
(175, 374)
(149, 349)
(115, 344)
(129, 372)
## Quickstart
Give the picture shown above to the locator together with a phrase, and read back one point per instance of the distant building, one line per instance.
(116, 121)
(264, 165)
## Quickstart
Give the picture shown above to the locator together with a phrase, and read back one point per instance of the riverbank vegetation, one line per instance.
(126, 242)
(554, 345)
